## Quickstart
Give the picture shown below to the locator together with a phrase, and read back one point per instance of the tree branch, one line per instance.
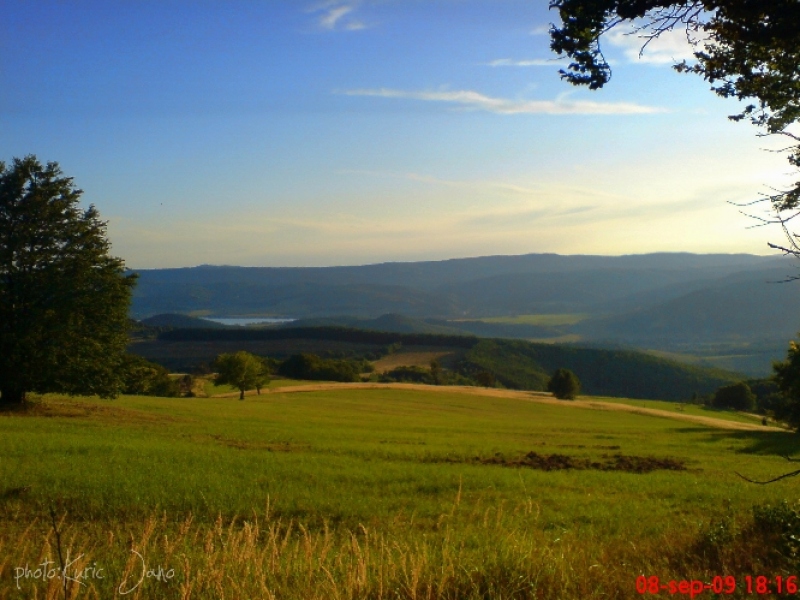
(784, 476)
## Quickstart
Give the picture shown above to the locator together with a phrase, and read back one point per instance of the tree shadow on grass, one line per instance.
(26, 407)
(774, 443)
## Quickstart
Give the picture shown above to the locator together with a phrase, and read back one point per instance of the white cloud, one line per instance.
(541, 30)
(333, 16)
(534, 62)
(476, 101)
(668, 48)
(337, 16)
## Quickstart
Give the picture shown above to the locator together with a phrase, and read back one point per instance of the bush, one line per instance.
(780, 525)
(737, 397)
(564, 385)
(408, 375)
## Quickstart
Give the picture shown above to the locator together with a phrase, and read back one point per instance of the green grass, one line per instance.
(686, 409)
(359, 455)
(212, 389)
(393, 462)
(547, 320)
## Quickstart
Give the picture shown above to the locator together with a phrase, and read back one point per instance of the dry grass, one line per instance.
(474, 553)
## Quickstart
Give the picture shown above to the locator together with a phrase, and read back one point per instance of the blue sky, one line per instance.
(350, 132)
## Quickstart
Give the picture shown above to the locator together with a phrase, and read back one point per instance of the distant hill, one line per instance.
(231, 298)
(718, 308)
(480, 286)
(178, 321)
(751, 305)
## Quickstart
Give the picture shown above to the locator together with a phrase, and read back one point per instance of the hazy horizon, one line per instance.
(366, 131)
(773, 255)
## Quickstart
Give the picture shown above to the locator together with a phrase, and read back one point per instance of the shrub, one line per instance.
(409, 375)
(780, 525)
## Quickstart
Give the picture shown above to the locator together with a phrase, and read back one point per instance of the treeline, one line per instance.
(514, 364)
(315, 368)
(339, 334)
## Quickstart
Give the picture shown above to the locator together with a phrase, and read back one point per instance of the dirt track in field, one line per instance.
(541, 397)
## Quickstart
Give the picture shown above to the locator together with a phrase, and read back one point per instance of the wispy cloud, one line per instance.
(337, 16)
(541, 30)
(534, 62)
(472, 100)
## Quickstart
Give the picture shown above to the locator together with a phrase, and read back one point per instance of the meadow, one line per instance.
(374, 493)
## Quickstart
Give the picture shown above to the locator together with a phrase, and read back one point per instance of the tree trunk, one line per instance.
(241, 394)
(11, 398)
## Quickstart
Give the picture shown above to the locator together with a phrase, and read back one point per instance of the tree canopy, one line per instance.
(63, 299)
(787, 377)
(737, 396)
(746, 49)
(242, 370)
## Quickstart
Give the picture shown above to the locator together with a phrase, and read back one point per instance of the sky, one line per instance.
(343, 132)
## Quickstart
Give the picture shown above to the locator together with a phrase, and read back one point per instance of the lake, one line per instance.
(246, 321)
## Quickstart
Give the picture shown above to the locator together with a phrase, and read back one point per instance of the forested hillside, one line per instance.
(514, 363)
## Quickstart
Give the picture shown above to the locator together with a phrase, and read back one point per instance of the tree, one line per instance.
(140, 376)
(737, 396)
(787, 407)
(564, 385)
(63, 299)
(186, 386)
(436, 372)
(242, 370)
(745, 49)
(485, 378)
(787, 377)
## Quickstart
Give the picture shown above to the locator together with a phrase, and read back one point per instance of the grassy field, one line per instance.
(687, 409)
(378, 493)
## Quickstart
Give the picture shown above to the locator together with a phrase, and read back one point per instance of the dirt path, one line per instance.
(541, 397)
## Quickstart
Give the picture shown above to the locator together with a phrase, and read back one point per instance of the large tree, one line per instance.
(63, 299)
(746, 49)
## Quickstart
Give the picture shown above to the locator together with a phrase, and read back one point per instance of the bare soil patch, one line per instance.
(607, 462)
(257, 445)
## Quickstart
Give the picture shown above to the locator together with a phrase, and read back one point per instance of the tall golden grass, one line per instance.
(482, 552)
